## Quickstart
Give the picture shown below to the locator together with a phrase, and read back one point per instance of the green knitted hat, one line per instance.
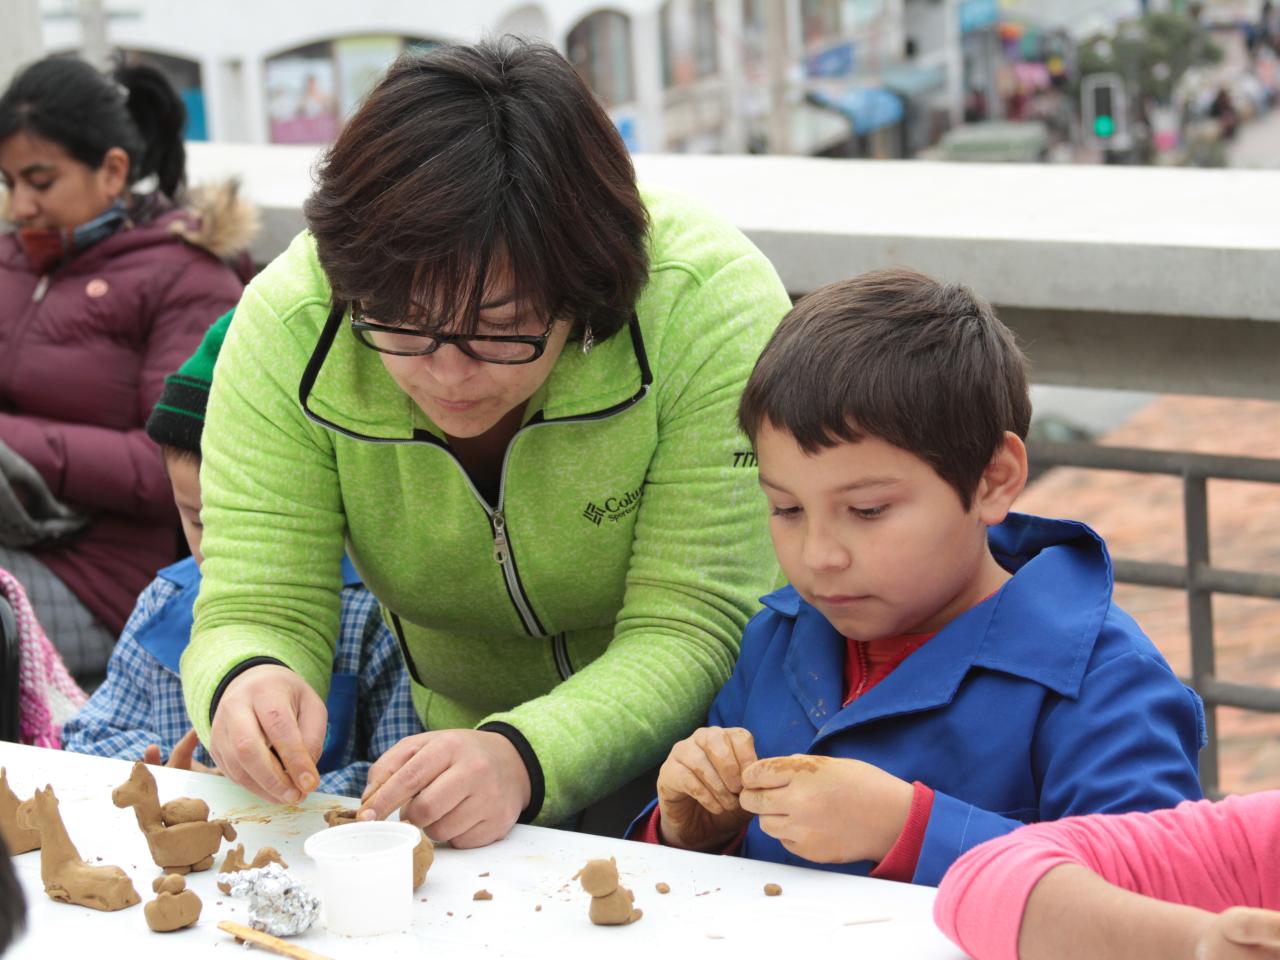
(178, 417)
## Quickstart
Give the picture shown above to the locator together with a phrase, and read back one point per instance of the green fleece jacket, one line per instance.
(595, 609)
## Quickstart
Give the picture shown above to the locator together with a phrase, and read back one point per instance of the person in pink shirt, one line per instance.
(1200, 881)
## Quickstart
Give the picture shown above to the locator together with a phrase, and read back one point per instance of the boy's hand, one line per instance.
(182, 757)
(698, 788)
(825, 809)
(1240, 933)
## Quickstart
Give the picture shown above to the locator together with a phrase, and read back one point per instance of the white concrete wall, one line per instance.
(1165, 280)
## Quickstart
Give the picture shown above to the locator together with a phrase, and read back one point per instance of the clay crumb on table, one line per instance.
(485, 874)
(772, 890)
(662, 887)
(482, 895)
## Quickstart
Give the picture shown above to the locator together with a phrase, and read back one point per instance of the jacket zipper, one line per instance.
(14, 348)
(560, 650)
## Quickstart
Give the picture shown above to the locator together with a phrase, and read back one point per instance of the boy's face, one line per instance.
(873, 538)
(184, 475)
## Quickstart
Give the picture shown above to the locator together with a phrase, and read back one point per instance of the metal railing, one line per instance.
(1198, 577)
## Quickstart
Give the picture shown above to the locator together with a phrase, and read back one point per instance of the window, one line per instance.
(600, 50)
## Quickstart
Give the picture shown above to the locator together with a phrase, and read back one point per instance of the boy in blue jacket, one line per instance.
(940, 670)
(139, 714)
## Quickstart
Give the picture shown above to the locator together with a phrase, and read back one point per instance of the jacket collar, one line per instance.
(346, 388)
(1041, 625)
(167, 632)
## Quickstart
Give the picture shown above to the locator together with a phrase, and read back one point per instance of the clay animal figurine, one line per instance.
(14, 837)
(423, 855)
(338, 816)
(182, 845)
(611, 904)
(175, 906)
(235, 862)
(67, 878)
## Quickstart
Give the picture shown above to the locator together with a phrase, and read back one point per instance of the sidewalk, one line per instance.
(1257, 144)
(1141, 518)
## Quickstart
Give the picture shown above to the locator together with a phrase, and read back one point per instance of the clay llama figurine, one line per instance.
(67, 878)
(235, 862)
(14, 837)
(174, 907)
(611, 904)
(180, 835)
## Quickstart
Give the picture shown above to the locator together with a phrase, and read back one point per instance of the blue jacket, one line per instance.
(1044, 701)
(370, 707)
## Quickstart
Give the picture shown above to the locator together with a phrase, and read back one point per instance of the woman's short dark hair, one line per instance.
(471, 156)
(922, 365)
(87, 113)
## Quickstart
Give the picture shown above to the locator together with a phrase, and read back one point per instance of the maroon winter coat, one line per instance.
(81, 365)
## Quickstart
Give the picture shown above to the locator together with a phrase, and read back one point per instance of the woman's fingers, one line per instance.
(278, 719)
(427, 762)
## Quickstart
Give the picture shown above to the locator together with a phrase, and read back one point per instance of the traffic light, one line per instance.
(1103, 104)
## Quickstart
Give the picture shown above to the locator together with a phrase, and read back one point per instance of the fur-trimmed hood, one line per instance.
(225, 223)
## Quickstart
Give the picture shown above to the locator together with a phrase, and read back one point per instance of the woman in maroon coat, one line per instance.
(106, 286)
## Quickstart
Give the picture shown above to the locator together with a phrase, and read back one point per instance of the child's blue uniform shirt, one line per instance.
(1044, 701)
(369, 705)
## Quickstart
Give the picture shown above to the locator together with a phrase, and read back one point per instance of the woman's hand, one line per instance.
(465, 787)
(698, 787)
(268, 733)
(825, 809)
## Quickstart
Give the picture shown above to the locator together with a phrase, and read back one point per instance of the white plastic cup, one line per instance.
(365, 875)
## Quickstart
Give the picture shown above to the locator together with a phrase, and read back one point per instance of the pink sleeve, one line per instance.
(1203, 854)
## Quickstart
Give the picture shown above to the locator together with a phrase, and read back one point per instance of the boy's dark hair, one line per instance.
(67, 101)
(468, 158)
(179, 454)
(892, 354)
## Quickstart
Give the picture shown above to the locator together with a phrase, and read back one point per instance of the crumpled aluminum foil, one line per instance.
(278, 904)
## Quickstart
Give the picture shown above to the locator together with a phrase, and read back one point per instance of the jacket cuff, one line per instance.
(900, 862)
(234, 672)
(537, 785)
(954, 827)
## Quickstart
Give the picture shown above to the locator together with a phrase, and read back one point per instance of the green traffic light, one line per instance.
(1104, 126)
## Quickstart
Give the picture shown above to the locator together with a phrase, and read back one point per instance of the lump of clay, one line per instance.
(611, 904)
(67, 878)
(13, 836)
(339, 815)
(235, 862)
(423, 855)
(772, 890)
(175, 906)
(278, 904)
(180, 845)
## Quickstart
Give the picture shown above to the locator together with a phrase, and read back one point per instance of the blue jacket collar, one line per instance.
(166, 633)
(1042, 625)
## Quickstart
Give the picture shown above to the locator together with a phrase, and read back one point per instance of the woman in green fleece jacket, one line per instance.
(504, 380)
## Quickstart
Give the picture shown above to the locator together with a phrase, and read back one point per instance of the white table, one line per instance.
(716, 907)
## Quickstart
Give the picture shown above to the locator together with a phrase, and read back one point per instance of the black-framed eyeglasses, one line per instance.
(402, 342)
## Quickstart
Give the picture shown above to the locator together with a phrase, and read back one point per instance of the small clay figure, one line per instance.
(11, 835)
(339, 815)
(772, 890)
(180, 846)
(611, 904)
(423, 855)
(175, 906)
(235, 862)
(67, 878)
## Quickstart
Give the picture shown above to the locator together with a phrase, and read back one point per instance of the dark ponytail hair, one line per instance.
(67, 101)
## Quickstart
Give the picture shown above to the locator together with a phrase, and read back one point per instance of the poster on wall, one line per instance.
(301, 99)
(361, 63)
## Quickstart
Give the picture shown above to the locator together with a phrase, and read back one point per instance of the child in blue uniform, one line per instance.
(138, 713)
(940, 669)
